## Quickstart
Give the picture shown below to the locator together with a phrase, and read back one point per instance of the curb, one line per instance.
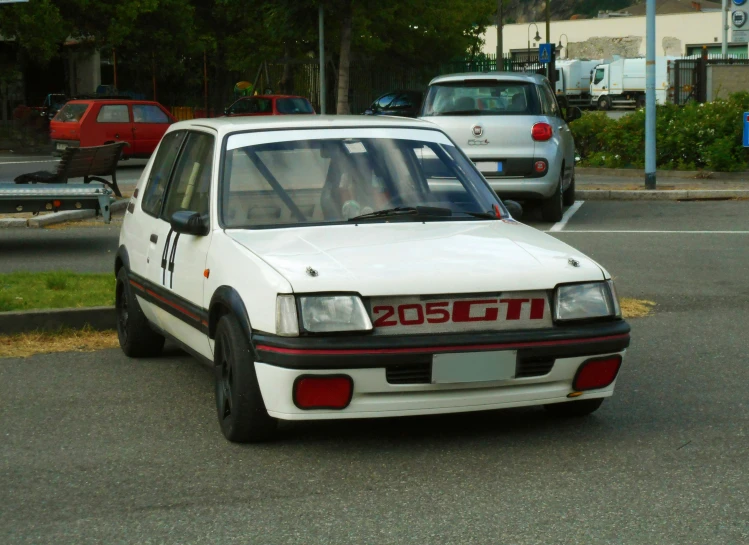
(640, 173)
(25, 321)
(60, 217)
(660, 195)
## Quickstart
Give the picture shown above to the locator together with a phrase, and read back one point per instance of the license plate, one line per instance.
(490, 166)
(473, 367)
(62, 146)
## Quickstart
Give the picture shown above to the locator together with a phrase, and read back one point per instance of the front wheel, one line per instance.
(552, 208)
(241, 412)
(136, 337)
(574, 409)
(604, 103)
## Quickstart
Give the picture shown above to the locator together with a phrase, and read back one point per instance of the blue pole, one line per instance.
(650, 96)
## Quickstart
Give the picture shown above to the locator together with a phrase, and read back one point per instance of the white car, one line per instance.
(341, 267)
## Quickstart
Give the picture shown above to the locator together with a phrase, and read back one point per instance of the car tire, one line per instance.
(574, 409)
(552, 208)
(239, 404)
(604, 104)
(568, 197)
(136, 337)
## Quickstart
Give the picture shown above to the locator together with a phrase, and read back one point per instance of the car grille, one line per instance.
(421, 373)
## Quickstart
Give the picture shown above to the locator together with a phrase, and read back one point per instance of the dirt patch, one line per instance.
(636, 308)
(115, 222)
(42, 342)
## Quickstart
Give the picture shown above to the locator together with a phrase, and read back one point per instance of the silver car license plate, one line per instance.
(490, 166)
(473, 367)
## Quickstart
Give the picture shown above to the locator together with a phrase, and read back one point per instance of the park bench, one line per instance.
(88, 163)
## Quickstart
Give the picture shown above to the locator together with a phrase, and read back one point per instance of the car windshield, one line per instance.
(482, 97)
(71, 113)
(297, 177)
(294, 106)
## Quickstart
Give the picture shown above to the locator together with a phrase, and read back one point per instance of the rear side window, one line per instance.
(71, 113)
(158, 178)
(482, 97)
(113, 113)
(148, 114)
(548, 101)
(294, 106)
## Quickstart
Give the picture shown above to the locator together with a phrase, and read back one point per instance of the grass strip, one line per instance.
(23, 345)
(55, 289)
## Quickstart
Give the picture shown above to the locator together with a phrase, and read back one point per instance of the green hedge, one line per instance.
(692, 137)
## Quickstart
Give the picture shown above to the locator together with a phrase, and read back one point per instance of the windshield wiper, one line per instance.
(483, 215)
(406, 211)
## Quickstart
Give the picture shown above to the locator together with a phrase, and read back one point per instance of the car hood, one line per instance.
(409, 258)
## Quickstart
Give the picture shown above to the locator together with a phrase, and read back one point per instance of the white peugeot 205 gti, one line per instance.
(342, 267)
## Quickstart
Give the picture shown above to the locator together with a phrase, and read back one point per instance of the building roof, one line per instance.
(671, 7)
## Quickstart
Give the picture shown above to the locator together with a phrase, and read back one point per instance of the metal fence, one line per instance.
(688, 76)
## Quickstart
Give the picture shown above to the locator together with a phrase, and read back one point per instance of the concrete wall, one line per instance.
(722, 81)
(84, 70)
(625, 36)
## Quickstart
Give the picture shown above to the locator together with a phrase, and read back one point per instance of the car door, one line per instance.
(176, 262)
(150, 123)
(145, 232)
(113, 124)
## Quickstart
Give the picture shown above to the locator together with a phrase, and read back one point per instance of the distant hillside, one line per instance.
(522, 11)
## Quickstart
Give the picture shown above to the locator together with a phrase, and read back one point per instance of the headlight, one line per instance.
(321, 314)
(585, 301)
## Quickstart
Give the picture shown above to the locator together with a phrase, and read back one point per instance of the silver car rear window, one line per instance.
(482, 97)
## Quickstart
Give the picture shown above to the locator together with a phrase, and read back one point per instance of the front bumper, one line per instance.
(370, 362)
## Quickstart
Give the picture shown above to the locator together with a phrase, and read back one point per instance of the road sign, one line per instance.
(544, 53)
(746, 130)
(738, 18)
(739, 2)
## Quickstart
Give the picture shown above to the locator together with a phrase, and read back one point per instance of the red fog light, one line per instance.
(57, 204)
(541, 132)
(539, 166)
(598, 373)
(323, 392)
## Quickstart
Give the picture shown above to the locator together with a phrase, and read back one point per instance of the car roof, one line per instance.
(105, 100)
(228, 125)
(505, 76)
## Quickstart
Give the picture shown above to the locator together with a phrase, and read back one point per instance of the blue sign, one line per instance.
(544, 53)
(746, 130)
(739, 2)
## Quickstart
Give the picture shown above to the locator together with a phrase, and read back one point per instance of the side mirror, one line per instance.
(514, 208)
(189, 223)
(573, 113)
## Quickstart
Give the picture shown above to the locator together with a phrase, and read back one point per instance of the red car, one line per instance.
(270, 105)
(94, 122)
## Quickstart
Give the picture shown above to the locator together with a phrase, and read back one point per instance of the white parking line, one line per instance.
(566, 217)
(623, 231)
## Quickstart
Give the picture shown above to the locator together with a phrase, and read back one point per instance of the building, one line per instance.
(682, 28)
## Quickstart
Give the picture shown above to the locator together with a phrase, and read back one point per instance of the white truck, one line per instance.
(573, 77)
(620, 83)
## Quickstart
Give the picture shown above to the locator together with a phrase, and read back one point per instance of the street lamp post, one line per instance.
(537, 38)
(560, 46)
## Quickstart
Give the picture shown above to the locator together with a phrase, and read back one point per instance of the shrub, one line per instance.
(695, 136)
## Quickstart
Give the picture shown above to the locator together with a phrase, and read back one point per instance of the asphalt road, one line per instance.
(97, 448)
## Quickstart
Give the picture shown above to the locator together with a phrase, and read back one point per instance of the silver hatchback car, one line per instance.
(510, 125)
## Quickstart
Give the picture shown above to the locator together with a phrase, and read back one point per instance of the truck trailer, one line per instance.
(620, 83)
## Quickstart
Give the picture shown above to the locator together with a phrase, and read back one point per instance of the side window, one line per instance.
(548, 101)
(113, 113)
(191, 184)
(599, 75)
(402, 101)
(144, 113)
(241, 107)
(158, 178)
(385, 101)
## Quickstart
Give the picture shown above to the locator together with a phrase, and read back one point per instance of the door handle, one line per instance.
(154, 238)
